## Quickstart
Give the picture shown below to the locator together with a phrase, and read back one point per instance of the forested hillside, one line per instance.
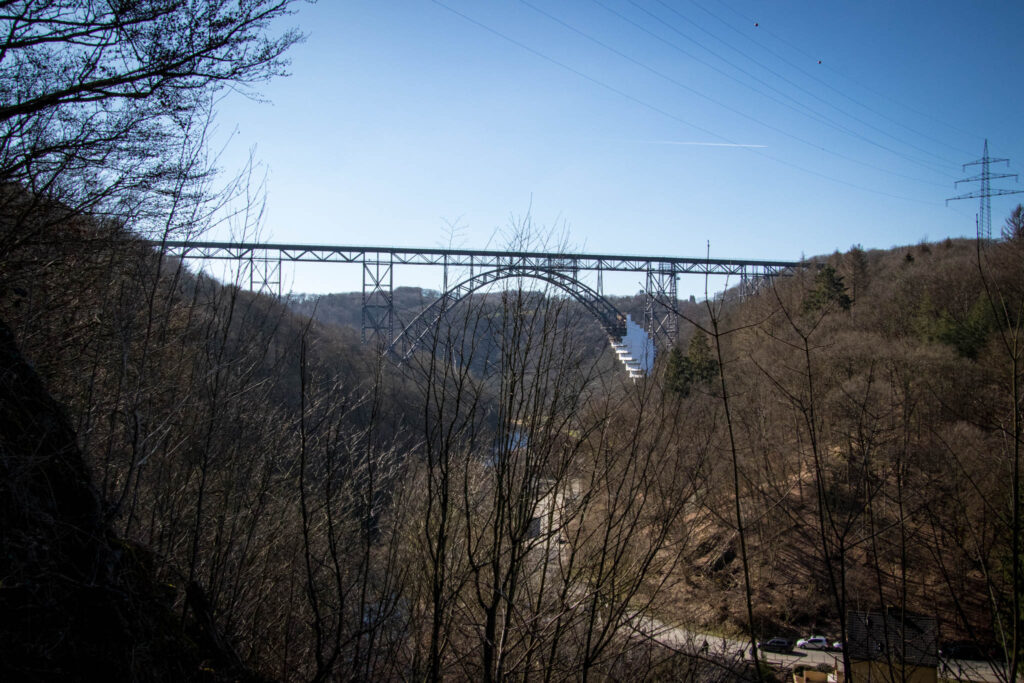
(318, 510)
(873, 436)
(198, 482)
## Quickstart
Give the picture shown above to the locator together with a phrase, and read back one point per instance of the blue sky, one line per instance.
(771, 129)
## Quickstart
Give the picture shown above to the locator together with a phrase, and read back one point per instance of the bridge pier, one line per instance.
(264, 272)
(661, 304)
(378, 319)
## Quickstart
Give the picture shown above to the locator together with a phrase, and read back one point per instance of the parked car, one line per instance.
(813, 643)
(837, 646)
(783, 645)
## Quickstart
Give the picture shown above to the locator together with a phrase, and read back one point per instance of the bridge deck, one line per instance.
(475, 258)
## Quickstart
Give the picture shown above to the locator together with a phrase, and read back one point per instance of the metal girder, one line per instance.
(378, 319)
(427, 320)
(265, 274)
(661, 304)
(476, 260)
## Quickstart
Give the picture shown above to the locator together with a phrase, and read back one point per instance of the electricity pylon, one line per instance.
(986, 192)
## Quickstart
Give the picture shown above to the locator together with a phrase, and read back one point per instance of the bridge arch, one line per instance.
(611, 320)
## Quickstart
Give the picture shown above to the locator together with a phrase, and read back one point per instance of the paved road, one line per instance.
(958, 670)
(727, 650)
(730, 649)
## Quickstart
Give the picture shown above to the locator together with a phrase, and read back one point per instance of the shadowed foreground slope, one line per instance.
(76, 602)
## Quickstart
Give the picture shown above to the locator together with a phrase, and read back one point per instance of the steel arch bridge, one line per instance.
(413, 334)
(262, 263)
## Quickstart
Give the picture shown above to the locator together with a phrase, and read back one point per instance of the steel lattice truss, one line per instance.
(484, 267)
(479, 259)
(416, 332)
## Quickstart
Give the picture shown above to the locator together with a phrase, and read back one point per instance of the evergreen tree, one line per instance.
(828, 289)
(677, 373)
(703, 366)
(698, 366)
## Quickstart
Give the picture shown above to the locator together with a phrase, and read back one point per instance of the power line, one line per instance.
(841, 75)
(712, 100)
(670, 115)
(801, 108)
(801, 88)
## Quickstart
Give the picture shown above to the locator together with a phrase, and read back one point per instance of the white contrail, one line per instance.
(699, 144)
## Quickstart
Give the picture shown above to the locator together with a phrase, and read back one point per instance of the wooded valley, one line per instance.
(198, 482)
(510, 504)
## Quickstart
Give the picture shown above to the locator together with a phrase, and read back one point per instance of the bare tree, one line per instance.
(550, 493)
(95, 98)
(999, 274)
